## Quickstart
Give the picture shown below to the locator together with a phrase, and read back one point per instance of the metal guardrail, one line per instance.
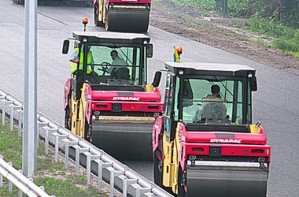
(63, 139)
(17, 178)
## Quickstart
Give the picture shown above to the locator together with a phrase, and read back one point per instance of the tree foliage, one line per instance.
(290, 12)
(284, 11)
(281, 11)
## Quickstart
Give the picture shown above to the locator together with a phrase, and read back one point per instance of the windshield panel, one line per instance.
(106, 61)
(219, 102)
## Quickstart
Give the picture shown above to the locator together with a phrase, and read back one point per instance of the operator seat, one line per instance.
(214, 112)
(122, 73)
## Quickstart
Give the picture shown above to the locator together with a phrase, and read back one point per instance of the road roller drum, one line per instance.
(122, 16)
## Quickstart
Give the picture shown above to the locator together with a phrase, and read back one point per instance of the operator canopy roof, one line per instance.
(111, 37)
(196, 68)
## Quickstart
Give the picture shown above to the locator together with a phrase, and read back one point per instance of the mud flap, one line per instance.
(232, 179)
(128, 19)
(124, 141)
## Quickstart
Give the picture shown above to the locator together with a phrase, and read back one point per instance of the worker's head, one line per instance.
(179, 50)
(113, 54)
(215, 89)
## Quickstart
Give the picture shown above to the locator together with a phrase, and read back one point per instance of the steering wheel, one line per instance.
(104, 66)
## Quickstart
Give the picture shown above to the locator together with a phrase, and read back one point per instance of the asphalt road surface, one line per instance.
(275, 104)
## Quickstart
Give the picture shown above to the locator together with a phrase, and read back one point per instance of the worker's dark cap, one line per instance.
(215, 89)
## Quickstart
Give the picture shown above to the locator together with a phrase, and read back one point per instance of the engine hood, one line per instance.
(221, 136)
(126, 96)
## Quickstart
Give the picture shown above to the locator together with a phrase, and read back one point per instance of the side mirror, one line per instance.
(157, 79)
(253, 84)
(65, 48)
(149, 50)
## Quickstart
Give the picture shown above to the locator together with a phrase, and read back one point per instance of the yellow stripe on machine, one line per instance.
(130, 7)
(125, 119)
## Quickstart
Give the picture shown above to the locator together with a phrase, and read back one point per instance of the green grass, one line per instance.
(262, 42)
(61, 187)
(55, 179)
(285, 39)
(204, 4)
(11, 146)
(5, 193)
(295, 54)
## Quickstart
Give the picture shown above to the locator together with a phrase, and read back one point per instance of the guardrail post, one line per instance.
(40, 125)
(90, 158)
(79, 150)
(12, 109)
(2, 97)
(67, 146)
(58, 136)
(113, 173)
(1, 180)
(126, 182)
(47, 135)
(2, 100)
(101, 165)
(140, 190)
(1, 176)
(9, 182)
(20, 122)
(20, 193)
(42, 188)
(4, 105)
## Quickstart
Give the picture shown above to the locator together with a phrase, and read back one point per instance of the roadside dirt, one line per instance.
(212, 29)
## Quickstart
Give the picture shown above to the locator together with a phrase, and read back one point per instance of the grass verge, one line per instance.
(284, 38)
(55, 179)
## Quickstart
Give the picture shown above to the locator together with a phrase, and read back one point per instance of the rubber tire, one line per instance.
(106, 21)
(181, 190)
(67, 116)
(96, 16)
(157, 173)
(21, 2)
(67, 119)
(86, 131)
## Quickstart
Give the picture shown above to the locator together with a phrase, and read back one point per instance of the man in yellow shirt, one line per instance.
(76, 58)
